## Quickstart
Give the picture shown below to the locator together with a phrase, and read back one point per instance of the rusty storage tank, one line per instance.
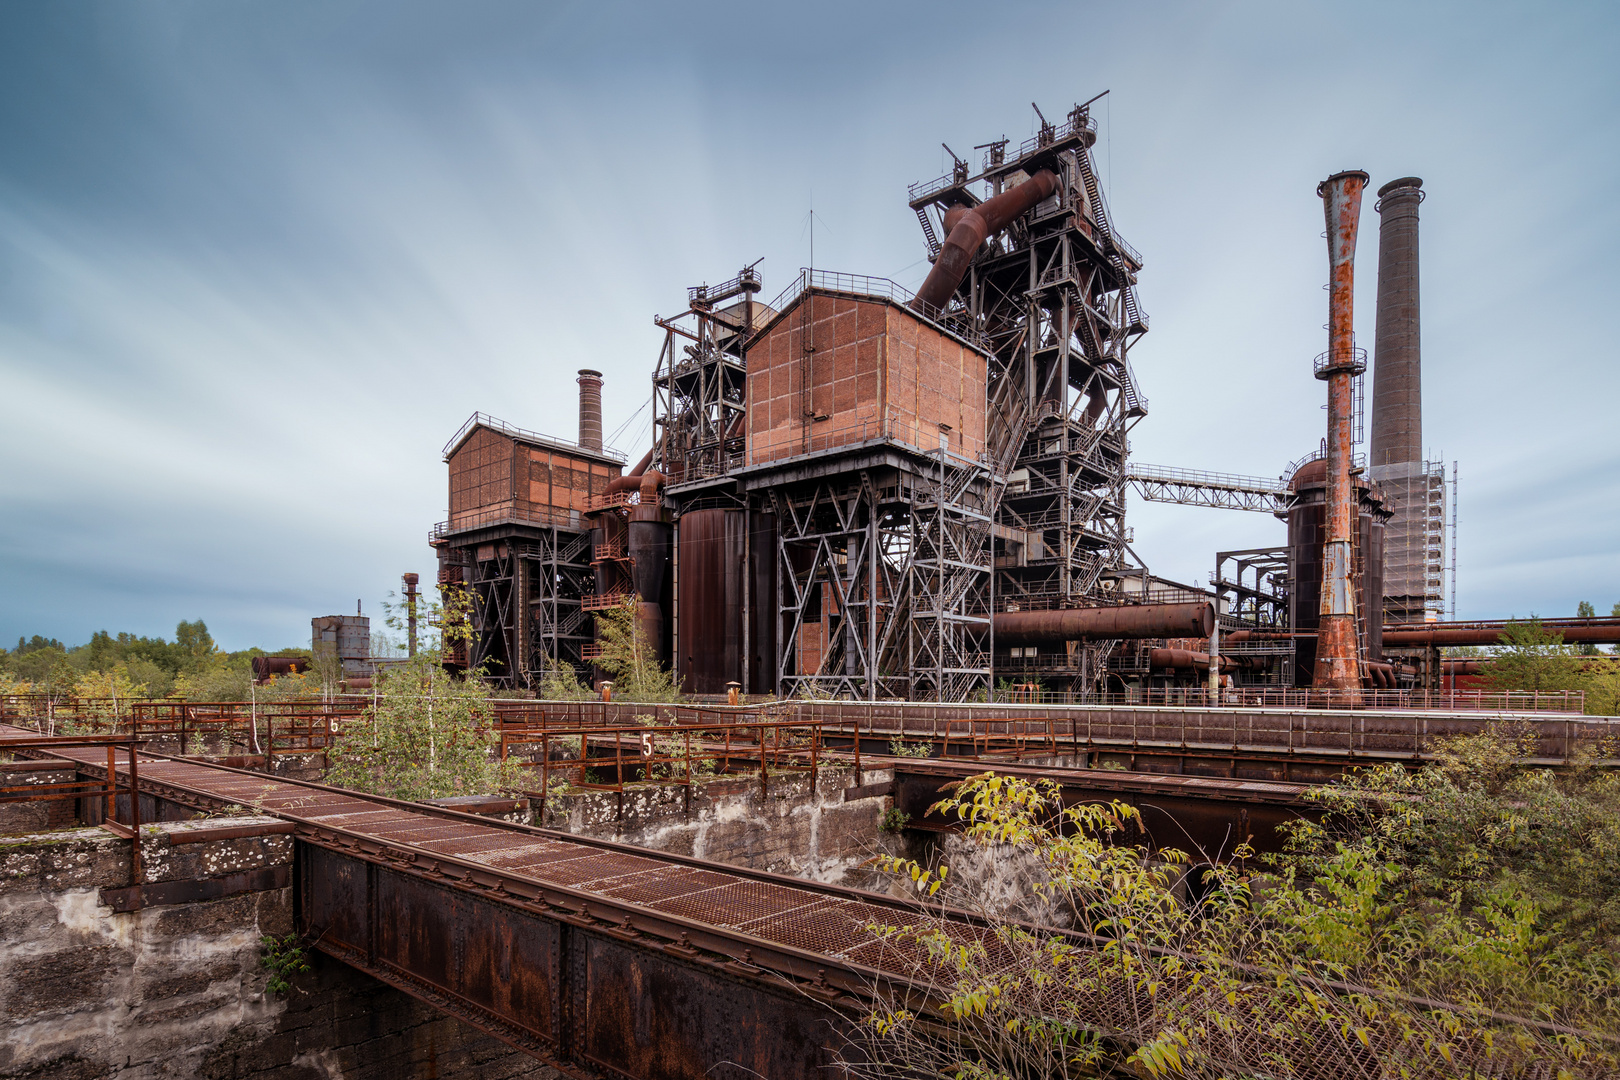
(725, 625)
(1307, 531)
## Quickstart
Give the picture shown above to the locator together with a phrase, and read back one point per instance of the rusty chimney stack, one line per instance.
(1338, 651)
(590, 409)
(1396, 454)
(410, 580)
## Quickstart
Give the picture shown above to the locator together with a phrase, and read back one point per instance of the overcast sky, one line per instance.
(258, 261)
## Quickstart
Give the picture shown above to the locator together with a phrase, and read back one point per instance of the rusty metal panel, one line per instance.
(337, 904)
(710, 602)
(509, 962)
(416, 928)
(658, 1018)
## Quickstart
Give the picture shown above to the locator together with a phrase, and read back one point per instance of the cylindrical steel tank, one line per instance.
(709, 604)
(1306, 537)
(649, 559)
(727, 582)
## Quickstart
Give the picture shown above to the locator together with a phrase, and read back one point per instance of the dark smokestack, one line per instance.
(1338, 652)
(590, 409)
(411, 581)
(1396, 453)
(1397, 412)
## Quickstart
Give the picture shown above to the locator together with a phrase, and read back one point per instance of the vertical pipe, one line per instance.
(1337, 649)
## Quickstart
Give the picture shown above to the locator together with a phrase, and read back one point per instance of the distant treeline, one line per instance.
(129, 665)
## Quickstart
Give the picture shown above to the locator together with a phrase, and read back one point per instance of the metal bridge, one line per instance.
(1223, 491)
(598, 958)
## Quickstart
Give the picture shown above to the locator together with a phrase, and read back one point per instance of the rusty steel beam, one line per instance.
(1338, 650)
(1129, 621)
(1203, 816)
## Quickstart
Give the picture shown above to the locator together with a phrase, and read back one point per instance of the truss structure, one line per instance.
(526, 593)
(1054, 296)
(1221, 491)
(884, 581)
(699, 386)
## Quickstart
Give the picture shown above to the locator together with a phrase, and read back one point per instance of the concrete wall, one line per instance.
(792, 830)
(177, 989)
(30, 816)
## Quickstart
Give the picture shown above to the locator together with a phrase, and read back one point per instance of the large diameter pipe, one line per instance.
(967, 230)
(590, 409)
(1338, 652)
(1477, 635)
(1195, 620)
(631, 480)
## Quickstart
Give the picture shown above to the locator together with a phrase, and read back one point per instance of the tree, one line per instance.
(1447, 922)
(629, 659)
(194, 644)
(1584, 610)
(1533, 658)
(113, 691)
(426, 735)
(561, 682)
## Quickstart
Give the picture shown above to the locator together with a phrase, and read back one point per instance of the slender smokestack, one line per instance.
(590, 409)
(1337, 649)
(411, 581)
(1396, 453)
(1397, 412)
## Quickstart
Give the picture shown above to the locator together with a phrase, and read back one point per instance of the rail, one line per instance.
(1226, 481)
(482, 419)
(106, 791)
(864, 286)
(490, 516)
(267, 728)
(661, 754)
(1344, 735)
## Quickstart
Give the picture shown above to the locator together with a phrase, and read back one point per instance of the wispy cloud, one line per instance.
(256, 264)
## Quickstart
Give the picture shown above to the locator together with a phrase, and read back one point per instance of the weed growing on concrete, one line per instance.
(899, 748)
(284, 957)
(894, 819)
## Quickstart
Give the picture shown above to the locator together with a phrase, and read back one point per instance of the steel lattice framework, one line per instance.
(884, 586)
(699, 384)
(526, 600)
(1054, 295)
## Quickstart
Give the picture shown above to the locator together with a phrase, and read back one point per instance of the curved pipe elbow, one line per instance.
(631, 480)
(651, 481)
(967, 231)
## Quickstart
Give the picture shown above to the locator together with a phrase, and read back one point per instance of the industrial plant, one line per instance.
(854, 491)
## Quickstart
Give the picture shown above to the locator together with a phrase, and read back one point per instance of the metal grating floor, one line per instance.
(805, 919)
